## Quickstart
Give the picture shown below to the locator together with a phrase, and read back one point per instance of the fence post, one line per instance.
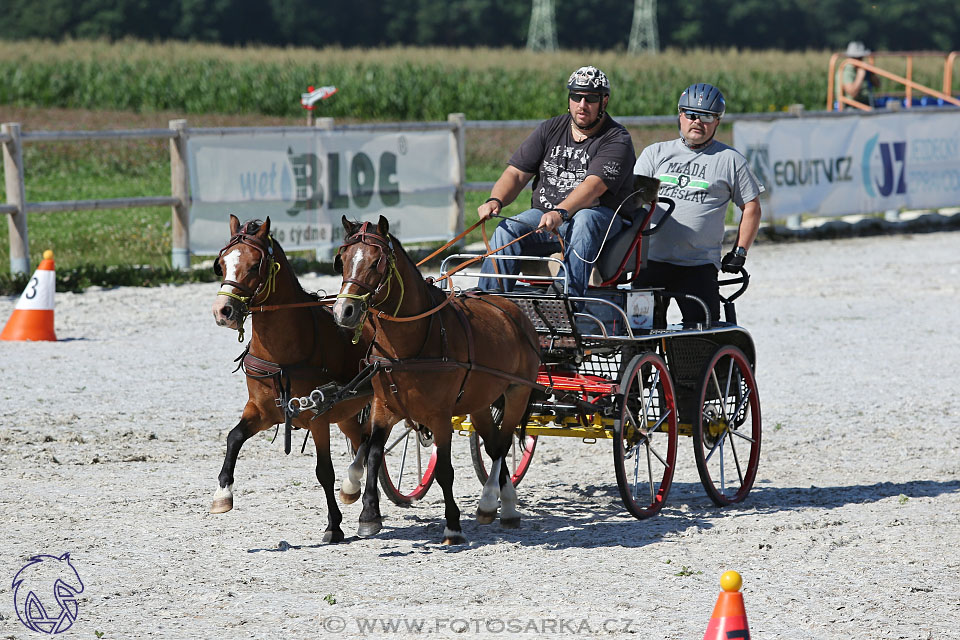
(324, 254)
(180, 189)
(458, 120)
(16, 196)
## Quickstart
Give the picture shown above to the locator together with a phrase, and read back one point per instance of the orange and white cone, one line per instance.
(729, 619)
(32, 319)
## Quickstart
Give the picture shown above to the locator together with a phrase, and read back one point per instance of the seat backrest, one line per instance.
(626, 253)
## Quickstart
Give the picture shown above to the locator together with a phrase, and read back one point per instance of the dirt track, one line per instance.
(112, 438)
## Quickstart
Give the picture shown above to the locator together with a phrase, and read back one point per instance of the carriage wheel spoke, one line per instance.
(419, 458)
(406, 432)
(736, 461)
(403, 459)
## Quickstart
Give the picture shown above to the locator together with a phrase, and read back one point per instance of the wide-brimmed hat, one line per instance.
(856, 50)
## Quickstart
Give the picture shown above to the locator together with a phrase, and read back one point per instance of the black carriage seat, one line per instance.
(625, 254)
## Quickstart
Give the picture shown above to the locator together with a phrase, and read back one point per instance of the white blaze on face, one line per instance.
(231, 263)
(357, 262)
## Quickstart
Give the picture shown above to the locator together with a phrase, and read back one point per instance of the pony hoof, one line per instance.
(332, 537)
(454, 539)
(221, 505)
(486, 517)
(349, 498)
(510, 523)
(368, 529)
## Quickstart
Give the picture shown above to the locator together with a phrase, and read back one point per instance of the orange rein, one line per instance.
(385, 316)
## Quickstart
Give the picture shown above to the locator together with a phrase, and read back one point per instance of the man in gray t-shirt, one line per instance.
(702, 176)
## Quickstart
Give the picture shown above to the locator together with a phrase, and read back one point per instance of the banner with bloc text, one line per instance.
(306, 180)
(863, 164)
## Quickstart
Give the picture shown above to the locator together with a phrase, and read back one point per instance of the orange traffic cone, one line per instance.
(32, 319)
(729, 619)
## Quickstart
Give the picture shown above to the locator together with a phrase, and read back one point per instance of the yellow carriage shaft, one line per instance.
(597, 427)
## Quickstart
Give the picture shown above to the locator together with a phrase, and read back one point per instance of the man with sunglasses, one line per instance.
(702, 176)
(580, 165)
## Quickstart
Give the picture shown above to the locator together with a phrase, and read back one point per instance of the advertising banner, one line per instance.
(866, 164)
(305, 181)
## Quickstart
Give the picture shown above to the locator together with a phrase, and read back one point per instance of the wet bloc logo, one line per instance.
(45, 594)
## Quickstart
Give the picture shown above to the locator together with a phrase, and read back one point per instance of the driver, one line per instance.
(580, 164)
(702, 175)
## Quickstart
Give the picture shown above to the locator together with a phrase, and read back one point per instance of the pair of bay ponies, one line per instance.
(441, 356)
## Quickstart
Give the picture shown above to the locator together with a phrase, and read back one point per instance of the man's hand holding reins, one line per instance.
(489, 208)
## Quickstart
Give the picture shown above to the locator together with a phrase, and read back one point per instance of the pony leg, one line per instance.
(515, 411)
(509, 516)
(325, 475)
(245, 429)
(452, 532)
(490, 497)
(350, 487)
(370, 519)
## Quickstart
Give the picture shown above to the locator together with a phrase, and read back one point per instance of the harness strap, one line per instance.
(461, 316)
(383, 316)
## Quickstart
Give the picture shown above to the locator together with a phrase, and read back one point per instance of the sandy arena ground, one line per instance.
(112, 438)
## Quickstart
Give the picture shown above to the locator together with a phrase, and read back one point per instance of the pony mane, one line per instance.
(251, 227)
(433, 290)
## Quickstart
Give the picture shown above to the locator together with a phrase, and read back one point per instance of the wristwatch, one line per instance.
(740, 252)
(564, 214)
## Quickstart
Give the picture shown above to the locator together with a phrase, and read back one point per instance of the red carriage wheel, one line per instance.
(645, 435)
(517, 459)
(409, 461)
(726, 434)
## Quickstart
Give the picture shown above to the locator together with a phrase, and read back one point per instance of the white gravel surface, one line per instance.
(111, 440)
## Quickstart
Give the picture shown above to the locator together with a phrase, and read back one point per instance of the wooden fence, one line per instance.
(12, 140)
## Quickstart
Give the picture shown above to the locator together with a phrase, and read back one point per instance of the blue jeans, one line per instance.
(582, 237)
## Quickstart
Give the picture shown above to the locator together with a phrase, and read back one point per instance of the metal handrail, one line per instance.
(835, 93)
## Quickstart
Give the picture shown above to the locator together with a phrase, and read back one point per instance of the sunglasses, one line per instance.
(591, 98)
(705, 118)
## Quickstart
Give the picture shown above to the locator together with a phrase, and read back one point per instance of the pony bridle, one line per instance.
(266, 274)
(386, 269)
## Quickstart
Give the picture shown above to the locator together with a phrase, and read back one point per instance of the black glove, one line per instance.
(733, 261)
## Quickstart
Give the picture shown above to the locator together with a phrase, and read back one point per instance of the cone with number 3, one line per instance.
(32, 319)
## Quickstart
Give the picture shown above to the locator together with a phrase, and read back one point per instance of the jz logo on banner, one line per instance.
(893, 158)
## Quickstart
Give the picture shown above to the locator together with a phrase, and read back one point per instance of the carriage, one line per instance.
(611, 368)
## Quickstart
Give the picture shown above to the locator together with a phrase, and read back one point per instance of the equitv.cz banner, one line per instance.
(865, 164)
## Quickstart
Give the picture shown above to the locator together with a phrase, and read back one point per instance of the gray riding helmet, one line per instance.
(704, 98)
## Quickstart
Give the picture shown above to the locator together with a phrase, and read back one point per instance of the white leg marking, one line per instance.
(450, 533)
(223, 492)
(508, 502)
(490, 498)
(351, 483)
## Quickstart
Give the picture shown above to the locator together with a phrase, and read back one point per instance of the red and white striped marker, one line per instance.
(32, 319)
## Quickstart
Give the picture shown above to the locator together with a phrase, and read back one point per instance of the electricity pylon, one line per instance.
(542, 35)
(643, 33)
